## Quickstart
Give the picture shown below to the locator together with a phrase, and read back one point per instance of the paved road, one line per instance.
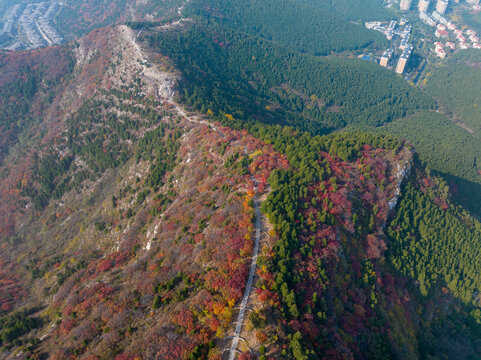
(250, 280)
(245, 299)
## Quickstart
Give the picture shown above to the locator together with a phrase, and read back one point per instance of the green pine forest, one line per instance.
(320, 28)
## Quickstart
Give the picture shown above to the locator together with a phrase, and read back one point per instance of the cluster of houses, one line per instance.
(443, 29)
(391, 30)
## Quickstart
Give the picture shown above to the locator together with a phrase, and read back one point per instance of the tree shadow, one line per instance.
(466, 192)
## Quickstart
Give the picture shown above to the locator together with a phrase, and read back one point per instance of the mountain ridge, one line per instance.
(128, 226)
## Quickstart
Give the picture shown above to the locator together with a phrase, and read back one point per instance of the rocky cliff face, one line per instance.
(403, 170)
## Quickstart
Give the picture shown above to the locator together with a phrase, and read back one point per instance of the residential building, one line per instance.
(386, 56)
(403, 59)
(427, 19)
(441, 33)
(405, 5)
(441, 6)
(423, 5)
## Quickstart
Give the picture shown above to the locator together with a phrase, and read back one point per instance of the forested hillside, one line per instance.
(457, 85)
(128, 191)
(448, 149)
(336, 92)
(361, 10)
(79, 17)
(29, 82)
(194, 189)
(247, 76)
(354, 285)
(448, 141)
(314, 27)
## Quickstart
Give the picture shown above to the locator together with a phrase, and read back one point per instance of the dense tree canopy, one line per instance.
(227, 71)
(446, 148)
(314, 27)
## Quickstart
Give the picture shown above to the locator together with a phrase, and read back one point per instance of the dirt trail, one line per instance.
(162, 83)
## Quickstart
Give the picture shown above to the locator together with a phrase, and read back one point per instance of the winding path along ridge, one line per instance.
(245, 299)
(250, 280)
